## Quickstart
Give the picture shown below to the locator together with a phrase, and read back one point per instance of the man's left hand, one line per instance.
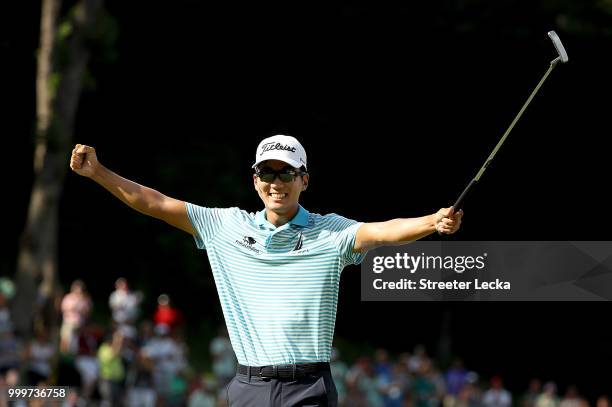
(448, 221)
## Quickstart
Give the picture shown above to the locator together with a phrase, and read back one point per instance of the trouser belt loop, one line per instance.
(249, 373)
(293, 371)
(275, 371)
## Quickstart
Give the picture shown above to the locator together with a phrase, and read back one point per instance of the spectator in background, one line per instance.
(166, 314)
(497, 396)
(124, 303)
(5, 314)
(9, 345)
(86, 361)
(533, 391)
(395, 386)
(72, 399)
(603, 401)
(361, 378)
(167, 359)
(203, 393)
(390, 390)
(10, 380)
(438, 379)
(112, 373)
(10, 350)
(571, 398)
(180, 382)
(339, 370)
(76, 307)
(548, 398)
(424, 387)
(224, 359)
(382, 366)
(145, 333)
(38, 354)
(7, 287)
(418, 357)
(470, 395)
(354, 396)
(141, 391)
(404, 358)
(456, 377)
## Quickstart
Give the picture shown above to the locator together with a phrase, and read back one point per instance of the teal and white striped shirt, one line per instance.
(278, 287)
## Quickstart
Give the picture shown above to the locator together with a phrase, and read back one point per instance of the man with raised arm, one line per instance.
(277, 271)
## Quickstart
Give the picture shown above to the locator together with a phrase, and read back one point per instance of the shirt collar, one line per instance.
(300, 218)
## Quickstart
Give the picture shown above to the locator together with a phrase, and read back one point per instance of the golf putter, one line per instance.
(562, 58)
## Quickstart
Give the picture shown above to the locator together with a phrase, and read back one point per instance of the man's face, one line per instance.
(278, 196)
(121, 285)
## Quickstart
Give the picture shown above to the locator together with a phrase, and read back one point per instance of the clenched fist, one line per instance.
(448, 221)
(83, 160)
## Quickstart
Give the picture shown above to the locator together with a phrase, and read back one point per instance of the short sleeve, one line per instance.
(206, 222)
(344, 232)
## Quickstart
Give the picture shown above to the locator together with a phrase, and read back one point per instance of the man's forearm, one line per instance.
(408, 230)
(393, 232)
(143, 199)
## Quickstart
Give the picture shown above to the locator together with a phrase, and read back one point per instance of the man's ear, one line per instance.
(305, 180)
(255, 182)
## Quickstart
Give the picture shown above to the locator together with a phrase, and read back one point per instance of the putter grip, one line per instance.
(459, 201)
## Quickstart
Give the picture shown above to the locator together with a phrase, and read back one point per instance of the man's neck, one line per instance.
(279, 219)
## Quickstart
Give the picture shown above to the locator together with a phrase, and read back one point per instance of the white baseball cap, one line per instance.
(282, 148)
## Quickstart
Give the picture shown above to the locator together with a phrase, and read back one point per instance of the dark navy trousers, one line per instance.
(313, 390)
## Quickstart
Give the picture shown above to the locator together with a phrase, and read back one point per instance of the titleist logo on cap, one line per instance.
(275, 146)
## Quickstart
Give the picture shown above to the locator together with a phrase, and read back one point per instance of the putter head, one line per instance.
(560, 49)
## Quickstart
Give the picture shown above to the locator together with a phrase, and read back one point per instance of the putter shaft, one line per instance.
(459, 201)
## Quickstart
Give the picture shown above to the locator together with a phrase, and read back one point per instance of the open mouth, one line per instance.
(275, 195)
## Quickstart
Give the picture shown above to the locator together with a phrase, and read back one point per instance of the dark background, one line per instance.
(397, 107)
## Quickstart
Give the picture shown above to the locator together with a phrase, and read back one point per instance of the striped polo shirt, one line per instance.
(278, 286)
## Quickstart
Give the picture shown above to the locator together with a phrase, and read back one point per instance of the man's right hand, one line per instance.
(143, 199)
(84, 160)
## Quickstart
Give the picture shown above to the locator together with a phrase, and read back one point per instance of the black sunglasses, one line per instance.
(287, 174)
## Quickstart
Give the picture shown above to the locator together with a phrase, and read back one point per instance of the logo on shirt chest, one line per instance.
(299, 243)
(299, 249)
(248, 242)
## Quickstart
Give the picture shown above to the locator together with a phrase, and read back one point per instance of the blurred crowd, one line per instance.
(134, 360)
(143, 361)
(414, 380)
